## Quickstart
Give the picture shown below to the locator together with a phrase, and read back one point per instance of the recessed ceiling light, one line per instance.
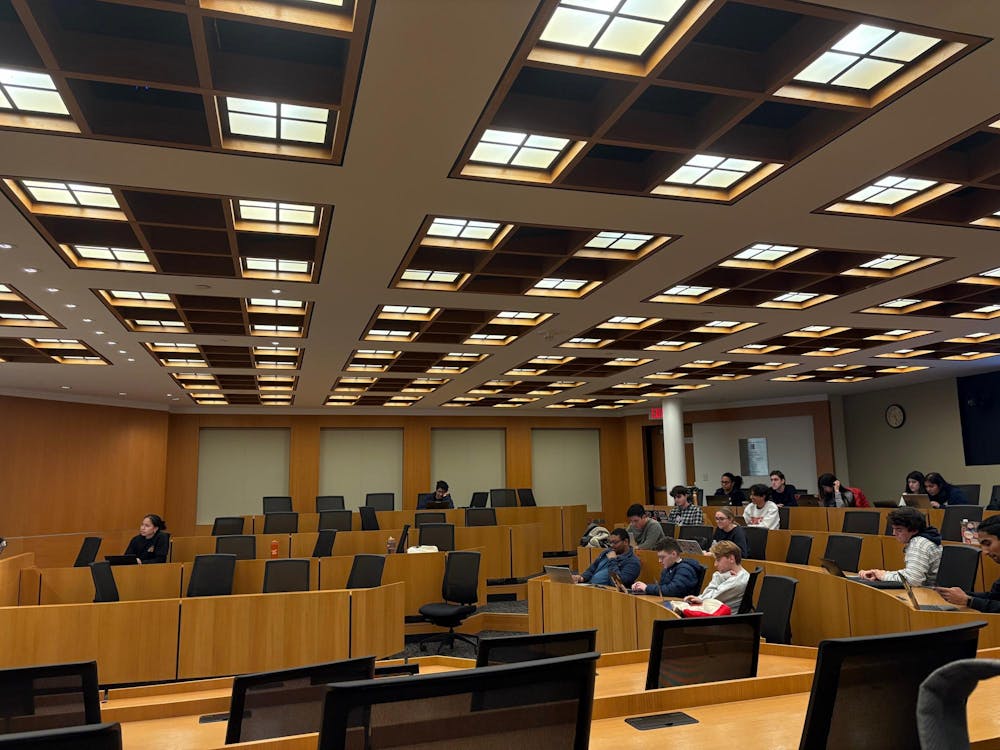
(30, 270)
(131, 359)
(527, 150)
(122, 393)
(6, 246)
(713, 171)
(99, 333)
(275, 291)
(891, 190)
(52, 289)
(122, 351)
(71, 306)
(87, 320)
(65, 387)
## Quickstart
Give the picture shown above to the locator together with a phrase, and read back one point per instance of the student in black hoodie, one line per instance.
(941, 493)
(680, 577)
(921, 549)
(782, 494)
(984, 601)
(152, 543)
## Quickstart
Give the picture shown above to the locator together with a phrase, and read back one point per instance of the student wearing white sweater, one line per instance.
(730, 579)
(761, 511)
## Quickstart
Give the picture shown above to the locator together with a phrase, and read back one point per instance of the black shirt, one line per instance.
(152, 550)
(736, 497)
(736, 535)
(786, 497)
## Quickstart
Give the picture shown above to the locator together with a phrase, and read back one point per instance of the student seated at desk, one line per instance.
(152, 543)
(727, 530)
(729, 580)
(648, 532)
(685, 513)
(732, 489)
(983, 601)
(941, 493)
(619, 558)
(921, 549)
(761, 511)
(782, 494)
(680, 577)
(440, 498)
(833, 494)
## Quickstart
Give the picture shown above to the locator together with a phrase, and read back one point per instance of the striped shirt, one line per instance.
(921, 557)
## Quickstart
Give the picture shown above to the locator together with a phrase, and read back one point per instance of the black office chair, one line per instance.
(942, 702)
(324, 543)
(441, 535)
(844, 550)
(329, 502)
(971, 492)
(951, 526)
(281, 522)
(783, 517)
(92, 737)
(958, 567)
(514, 649)
(480, 517)
(459, 589)
(277, 504)
(212, 575)
(746, 603)
(369, 521)
(526, 497)
(756, 542)
(995, 495)
(286, 575)
(504, 498)
(242, 546)
(479, 499)
(422, 517)
(861, 522)
(669, 529)
(697, 533)
(366, 572)
(105, 589)
(227, 525)
(799, 547)
(336, 520)
(381, 500)
(777, 595)
(88, 551)
(48, 697)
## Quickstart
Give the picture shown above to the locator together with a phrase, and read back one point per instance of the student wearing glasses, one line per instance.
(727, 530)
(731, 488)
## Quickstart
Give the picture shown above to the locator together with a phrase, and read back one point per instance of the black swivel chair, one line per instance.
(951, 526)
(329, 502)
(526, 497)
(281, 523)
(783, 517)
(212, 575)
(286, 575)
(459, 589)
(381, 500)
(696, 650)
(441, 535)
(88, 552)
(337, 520)
(746, 603)
(777, 595)
(861, 522)
(241, 546)
(799, 547)
(504, 498)
(277, 504)
(105, 589)
(995, 495)
(480, 517)
(369, 521)
(971, 492)
(958, 567)
(669, 529)
(324, 543)
(756, 542)
(227, 525)
(844, 550)
(93, 737)
(366, 572)
(479, 499)
(422, 517)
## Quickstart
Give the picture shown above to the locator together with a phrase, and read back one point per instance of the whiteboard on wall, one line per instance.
(469, 461)
(238, 467)
(566, 467)
(790, 449)
(353, 463)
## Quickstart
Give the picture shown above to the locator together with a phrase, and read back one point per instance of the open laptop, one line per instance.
(559, 574)
(689, 547)
(619, 585)
(401, 546)
(122, 559)
(831, 567)
(925, 607)
(916, 500)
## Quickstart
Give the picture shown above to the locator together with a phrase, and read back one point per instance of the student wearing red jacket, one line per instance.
(835, 495)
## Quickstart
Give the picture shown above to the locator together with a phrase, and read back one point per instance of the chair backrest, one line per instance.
(696, 650)
(329, 502)
(324, 543)
(746, 603)
(995, 493)
(95, 737)
(49, 697)
(366, 572)
(281, 522)
(526, 497)
(943, 700)
(958, 567)
(951, 526)
(277, 504)
(88, 551)
(369, 521)
(550, 698)
(971, 492)
(381, 500)
(756, 542)
(422, 517)
(512, 649)
(441, 535)
(799, 547)
(844, 550)
(864, 693)
(777, 594)
(504, 498)
(480, 516)
(697, 533)
(338, 520)
(242, 546)
(105, 589)
(461, 578)
(290, 574)
(783, 517)
(227, 525)
(669, 529)
(479, 499)
(861, 522)
(266, 705)
(212, 575)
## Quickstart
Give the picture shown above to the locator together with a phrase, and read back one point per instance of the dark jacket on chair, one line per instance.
(683, 578)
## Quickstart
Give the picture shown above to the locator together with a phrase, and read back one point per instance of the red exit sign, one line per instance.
(656, 412)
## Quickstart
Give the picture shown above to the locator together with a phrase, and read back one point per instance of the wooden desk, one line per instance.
(76, 586)
(185, 548)
(60, 550)
(10, 576)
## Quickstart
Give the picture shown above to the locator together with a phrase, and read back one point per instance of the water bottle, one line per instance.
(390, 546)
(274, 548)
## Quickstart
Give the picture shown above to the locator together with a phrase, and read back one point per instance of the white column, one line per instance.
(673, 444)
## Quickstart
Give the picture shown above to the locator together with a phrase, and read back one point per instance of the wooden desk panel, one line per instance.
(526, 547)
(365, 542)
(495, 543)
(820, 607)
(577, 607)
(648, 609)
(876, 611)
(377, 620)
(809, 519)
(550, 518)
(185, 548)
(134, 582)
(574, 520)
(422, 575)
(60, 550)
(10, 576)
(225, 635)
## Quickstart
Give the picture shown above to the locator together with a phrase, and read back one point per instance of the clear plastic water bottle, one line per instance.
(390, 546)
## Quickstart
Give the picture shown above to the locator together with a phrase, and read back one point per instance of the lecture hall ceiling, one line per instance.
(456, 206)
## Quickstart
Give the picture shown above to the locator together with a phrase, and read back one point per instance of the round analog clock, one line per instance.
(895, 416)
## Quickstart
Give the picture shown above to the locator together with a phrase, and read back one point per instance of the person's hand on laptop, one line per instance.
(871, 575)
(953, 595)
(639, 586)
(577, 579)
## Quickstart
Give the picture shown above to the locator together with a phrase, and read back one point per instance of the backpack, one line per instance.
(595, 536)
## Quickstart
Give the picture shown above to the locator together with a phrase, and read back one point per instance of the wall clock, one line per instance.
(895, 416)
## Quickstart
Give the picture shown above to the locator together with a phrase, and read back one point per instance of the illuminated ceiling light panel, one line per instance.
(721, 324)
(682, 290)
(145, 296)
(584, 340)
(269, 302)
(274, 212)
(276, 121)
(508, 148)
(612, 26)
(277, 265)
(405, 309)
(866, 57)
(22, 91)
(988, 309)
(436, 277)
(465, 229)
(119, 254)
(889, 262)
(795, 297)
(70, 194)
(618, 241)
(764, 252)
(890, 190)
(703, 170)
(626, 320)
(900, 303)
(512, 316)
(570, 285)
(815, 329)
(992, 274)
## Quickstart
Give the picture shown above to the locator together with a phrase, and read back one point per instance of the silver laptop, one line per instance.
(689, 547)
(925, 607)
(916, 500)
(559, 574)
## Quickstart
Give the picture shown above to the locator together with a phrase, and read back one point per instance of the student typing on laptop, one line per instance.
(680, 577)
(984, 601)
(619, 558)
(921, 549)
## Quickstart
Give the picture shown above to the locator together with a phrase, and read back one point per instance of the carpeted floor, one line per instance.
(463, 650)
